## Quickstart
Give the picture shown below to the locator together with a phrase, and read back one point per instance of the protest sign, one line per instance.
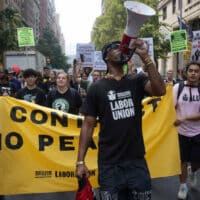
(25, 37)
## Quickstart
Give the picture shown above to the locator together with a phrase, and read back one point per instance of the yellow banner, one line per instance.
(38, 145)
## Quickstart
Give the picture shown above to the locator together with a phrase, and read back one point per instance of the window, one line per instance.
(164, 13)
(173, 6)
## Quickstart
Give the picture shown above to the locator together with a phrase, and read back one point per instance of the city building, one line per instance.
(31, 16)
(37, 14)
(17, 4)
(169, 10)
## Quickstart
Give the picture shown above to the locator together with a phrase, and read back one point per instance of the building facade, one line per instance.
(37, 14)
(31, 16)
(17, 4)
(169, 10)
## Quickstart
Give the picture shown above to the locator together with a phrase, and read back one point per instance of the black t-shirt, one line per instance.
(35, 95)
(118, 106)
(8, 87)
(50, 85)
(69, 102)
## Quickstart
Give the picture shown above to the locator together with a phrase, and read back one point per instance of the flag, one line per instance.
(183, 26)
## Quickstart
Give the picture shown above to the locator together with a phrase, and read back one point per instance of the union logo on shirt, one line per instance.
(111, 95)
(121, 104)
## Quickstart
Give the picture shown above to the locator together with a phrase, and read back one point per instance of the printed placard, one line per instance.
(178, 41)
(99, 63)
(25, 37)
(85, 54)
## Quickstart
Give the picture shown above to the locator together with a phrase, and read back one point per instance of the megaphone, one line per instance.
(137, 14)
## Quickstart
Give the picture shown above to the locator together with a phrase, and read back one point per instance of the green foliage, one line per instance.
(151, 29)
(110, 26)
(10, 20)
(49, 46)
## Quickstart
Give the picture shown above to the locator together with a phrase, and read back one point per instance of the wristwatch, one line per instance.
(80, 163)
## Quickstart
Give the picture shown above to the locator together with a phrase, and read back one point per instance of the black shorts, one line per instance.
(126, 179)
(190, 148)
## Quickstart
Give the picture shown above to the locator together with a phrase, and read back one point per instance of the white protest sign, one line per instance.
(165, 32)
(150, 44)
(99, 63)
(85, 54)
(195, 54)
(136, 59)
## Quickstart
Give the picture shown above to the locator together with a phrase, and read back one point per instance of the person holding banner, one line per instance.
(64, 97)
(31, 92)
(187, 104)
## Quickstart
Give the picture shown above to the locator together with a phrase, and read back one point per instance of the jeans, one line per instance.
(128, 180)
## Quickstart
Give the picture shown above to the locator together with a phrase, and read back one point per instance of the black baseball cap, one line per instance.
(109, 46)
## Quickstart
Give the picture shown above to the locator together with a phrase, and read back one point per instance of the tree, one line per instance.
(110, 26)
(151, 29)
(10, 20)
(49, 46)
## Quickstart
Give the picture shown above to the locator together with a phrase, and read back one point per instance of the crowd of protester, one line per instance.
(65, 91)
(41, 87)
(52, 88)
(12, 83)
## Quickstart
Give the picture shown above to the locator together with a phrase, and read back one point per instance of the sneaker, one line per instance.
(183, 191)
(192, 179)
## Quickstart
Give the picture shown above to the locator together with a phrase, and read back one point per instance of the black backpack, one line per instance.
(181, 86)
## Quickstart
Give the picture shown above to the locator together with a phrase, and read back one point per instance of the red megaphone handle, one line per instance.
(124, 45)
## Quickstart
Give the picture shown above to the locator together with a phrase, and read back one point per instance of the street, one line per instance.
(163, 189)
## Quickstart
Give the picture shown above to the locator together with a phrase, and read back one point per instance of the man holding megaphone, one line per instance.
(116, 102)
